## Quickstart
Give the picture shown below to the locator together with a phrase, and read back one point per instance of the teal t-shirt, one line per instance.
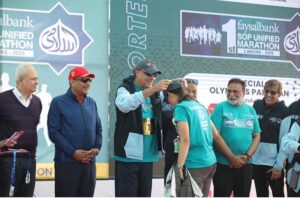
(236, 125)
(201, 153)
(150, 141)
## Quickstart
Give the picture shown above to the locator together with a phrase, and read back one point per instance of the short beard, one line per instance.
(235, 102)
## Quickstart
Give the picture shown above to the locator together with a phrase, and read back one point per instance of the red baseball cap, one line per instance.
(79, 72)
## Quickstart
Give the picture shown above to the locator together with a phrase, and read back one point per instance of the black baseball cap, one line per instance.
(147, 66)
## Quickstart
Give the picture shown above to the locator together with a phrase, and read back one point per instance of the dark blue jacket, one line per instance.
(270, 118)
(73, 126)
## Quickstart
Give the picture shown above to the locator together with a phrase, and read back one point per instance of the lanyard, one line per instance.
(12, 175)
(27, 178)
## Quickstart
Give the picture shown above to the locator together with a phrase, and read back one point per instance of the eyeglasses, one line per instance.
(84, 80)
(271, 92)
(150, 75)
(193, 81)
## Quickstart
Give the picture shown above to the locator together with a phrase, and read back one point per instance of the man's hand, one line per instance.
(182, 173)
(244, 158)
(79, 155)
(93, 152)
(237, 162)
(161, 85)
(86, 160)
(89, 155)
(5, 143)
(275, 174)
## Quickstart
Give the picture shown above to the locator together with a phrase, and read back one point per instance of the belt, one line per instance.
(19, 153)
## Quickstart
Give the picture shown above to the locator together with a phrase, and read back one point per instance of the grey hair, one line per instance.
(22, 70)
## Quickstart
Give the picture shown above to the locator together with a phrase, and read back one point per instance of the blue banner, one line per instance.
(56, 37)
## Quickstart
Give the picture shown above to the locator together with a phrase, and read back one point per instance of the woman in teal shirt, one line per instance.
(196, 133)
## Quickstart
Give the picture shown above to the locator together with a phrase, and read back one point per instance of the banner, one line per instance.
(56, 37)
(240, 37)
(283, 3)
(206, 38)
(212, 88)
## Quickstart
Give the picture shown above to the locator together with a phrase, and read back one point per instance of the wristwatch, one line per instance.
(248, 156)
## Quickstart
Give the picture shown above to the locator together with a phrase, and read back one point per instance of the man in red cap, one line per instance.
(75, 129)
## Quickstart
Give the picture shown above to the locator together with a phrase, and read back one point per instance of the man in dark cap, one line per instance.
(137, 137)
(75, 129)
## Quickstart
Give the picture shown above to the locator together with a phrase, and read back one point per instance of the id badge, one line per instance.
(176, 145)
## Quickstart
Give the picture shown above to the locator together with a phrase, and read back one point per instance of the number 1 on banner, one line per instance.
(230, 29)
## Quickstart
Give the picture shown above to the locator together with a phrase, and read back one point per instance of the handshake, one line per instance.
(84, 156)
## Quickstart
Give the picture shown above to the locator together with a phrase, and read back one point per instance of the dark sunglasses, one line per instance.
(150, 75)
(193, 81)
(271, 92)
(84, 80)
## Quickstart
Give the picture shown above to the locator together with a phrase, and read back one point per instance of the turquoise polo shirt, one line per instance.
(201, 153)
(236, 124)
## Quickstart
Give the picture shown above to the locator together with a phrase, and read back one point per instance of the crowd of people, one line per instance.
(234, 145)
(229, 148)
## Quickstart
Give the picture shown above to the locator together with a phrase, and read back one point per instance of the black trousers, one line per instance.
(23, 164)
(133, 179)
(227, 180)
(292, 193)
(75, 179)
(263, 180)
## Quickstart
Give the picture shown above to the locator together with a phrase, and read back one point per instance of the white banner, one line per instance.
(212, 88)
(281, 3)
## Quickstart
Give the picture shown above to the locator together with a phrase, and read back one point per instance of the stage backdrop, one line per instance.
(55, 36)
(209, 40)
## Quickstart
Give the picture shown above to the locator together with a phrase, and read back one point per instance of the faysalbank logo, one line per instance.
(56, 37)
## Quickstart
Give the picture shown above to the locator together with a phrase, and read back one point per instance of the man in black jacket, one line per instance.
(138, 133)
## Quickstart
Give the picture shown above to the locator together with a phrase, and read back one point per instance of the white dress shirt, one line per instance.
(22, 100)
